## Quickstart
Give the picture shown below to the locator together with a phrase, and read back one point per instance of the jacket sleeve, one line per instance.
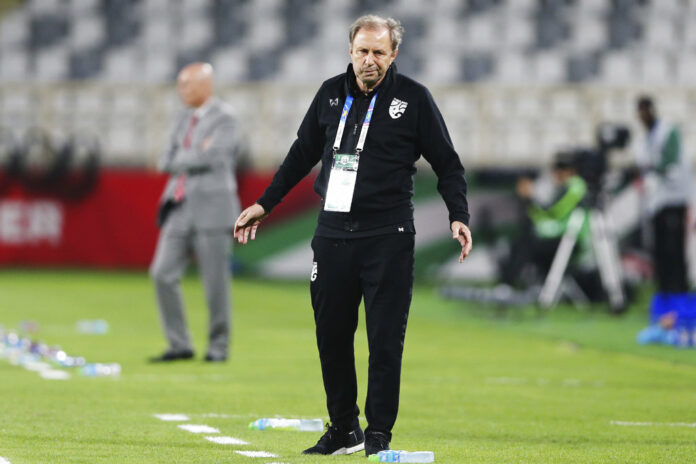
(222, 144)
(435, 145)
(575, 191)
(165, 161)
(304, 154)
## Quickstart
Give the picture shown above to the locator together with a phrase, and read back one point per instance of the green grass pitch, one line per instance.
(475, 388)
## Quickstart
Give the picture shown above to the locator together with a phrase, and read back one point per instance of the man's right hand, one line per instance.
(248, 222)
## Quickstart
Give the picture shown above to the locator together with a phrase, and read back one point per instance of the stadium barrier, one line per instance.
(112, 226)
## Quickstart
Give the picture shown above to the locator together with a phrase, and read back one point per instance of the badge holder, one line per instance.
(344, 166)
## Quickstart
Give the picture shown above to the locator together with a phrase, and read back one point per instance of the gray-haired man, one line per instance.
(368, 127)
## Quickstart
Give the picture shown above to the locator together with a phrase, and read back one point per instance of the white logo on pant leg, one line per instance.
(313, 277)
(397, 108)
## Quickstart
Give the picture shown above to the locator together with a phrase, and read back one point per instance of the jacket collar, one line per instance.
(352, 85)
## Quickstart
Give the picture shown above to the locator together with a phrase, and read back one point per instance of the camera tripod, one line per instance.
(605, 251)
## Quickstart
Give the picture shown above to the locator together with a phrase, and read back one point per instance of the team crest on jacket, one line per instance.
(333, 101)
(397, 108)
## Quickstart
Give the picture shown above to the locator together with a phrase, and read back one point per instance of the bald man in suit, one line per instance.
(197, 213)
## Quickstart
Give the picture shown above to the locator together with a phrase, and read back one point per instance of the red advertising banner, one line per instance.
(112, 226)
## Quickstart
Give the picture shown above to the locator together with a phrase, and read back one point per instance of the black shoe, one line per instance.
(337, 441)
(375, 442)
(215, 358)
(172, 355)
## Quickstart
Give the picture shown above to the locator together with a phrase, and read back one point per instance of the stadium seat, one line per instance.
(617, 68)
(512, 68)
(86, 31)
(549, 67)
(14, 65)
(51, 64)
(14, 30)
(121, 64)
(656, 69)
(230, 63)
(686, 68)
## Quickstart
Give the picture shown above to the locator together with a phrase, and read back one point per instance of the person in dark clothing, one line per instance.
(545, 223)
(368, 127)
(666, 190)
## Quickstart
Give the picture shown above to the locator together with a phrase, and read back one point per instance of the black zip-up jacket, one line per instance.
(397, 137)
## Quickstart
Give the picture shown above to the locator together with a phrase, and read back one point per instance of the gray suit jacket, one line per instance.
(211, 200)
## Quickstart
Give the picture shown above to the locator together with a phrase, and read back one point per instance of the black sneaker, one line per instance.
(375, 442)
(337, 441)
(172, 355)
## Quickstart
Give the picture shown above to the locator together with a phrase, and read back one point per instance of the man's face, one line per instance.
(645, 115)
(371, 53)
(561, 175)
(191, 90)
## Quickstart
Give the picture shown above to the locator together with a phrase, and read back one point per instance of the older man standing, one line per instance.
(196, 213)
(368, 127)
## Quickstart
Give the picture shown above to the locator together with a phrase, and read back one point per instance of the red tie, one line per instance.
(189, 131)
(180, 189)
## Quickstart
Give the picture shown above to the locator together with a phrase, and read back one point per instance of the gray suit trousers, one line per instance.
(212, 249)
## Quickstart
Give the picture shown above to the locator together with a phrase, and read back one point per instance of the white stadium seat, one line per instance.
(51, 64)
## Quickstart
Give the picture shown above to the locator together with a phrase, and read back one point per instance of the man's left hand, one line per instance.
(462, 234)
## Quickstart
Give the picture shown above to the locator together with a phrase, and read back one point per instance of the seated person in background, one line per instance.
(540, 236)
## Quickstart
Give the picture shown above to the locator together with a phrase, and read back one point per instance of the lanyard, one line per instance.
(342, 124)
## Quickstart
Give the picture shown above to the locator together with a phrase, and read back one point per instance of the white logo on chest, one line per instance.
(397, 108)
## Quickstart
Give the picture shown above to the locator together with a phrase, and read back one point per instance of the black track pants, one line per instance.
(380, 270)
(669, 253)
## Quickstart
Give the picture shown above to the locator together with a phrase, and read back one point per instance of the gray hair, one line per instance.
(396, 30)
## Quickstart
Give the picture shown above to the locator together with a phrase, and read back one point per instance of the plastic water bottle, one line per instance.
(302, 425)
(403, 456)
(101, 370)
(95, 327)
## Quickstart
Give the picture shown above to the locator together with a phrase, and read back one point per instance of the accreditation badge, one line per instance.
(344, 172)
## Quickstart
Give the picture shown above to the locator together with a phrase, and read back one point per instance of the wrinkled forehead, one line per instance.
(372, 37)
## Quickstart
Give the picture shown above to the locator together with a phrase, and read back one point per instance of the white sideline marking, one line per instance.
(198, 428)
(54, 375)
(4, 461)
(257, 454)
(227, 440)
(172, 417)
(186, 417)
(654, 424)
(37, 366)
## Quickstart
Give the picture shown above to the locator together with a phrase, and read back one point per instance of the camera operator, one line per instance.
(666, 189)
(546, 223)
